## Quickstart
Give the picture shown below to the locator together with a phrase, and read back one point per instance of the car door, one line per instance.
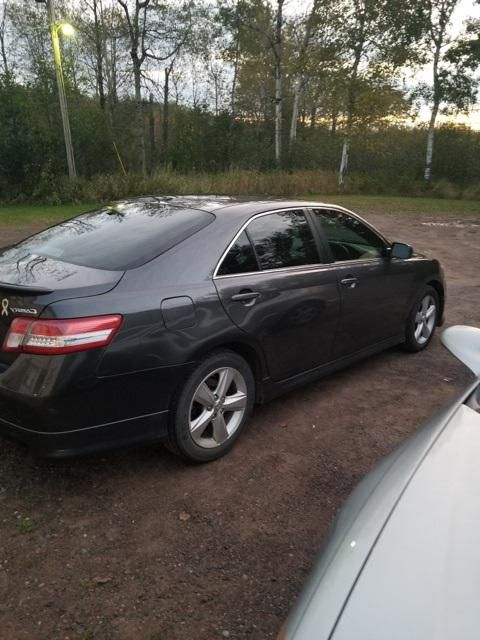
(374, 289)
(274, 287)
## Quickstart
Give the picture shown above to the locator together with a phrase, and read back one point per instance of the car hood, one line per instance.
(421, 579)
(464, 343)
(403, 555)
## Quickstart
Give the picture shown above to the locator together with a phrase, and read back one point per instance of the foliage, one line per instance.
(199, 96)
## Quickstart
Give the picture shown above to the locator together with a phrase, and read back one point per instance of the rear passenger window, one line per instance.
(283, 240)
(240, 258)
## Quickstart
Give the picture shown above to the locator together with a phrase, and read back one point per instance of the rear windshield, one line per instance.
(116, 238)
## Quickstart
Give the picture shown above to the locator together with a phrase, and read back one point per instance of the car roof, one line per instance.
(231, 206)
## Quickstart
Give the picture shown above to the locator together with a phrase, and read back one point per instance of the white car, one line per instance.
(402, 561)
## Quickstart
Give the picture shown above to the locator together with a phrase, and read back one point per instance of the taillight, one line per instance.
(52, 337)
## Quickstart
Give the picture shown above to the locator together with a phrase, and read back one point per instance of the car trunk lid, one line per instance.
(29, 285)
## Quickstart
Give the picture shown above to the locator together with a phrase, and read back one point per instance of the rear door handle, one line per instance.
(350, 283)
(247, 297)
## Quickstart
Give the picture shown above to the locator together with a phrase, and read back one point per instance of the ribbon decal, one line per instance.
(5, 307)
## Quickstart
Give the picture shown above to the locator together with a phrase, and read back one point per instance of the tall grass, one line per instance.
(103, 188)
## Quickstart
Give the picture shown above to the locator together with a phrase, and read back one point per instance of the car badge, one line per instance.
(5, 307)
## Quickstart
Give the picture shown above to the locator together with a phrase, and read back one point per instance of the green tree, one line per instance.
(380, 37)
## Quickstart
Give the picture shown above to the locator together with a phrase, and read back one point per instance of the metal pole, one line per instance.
(57, 55)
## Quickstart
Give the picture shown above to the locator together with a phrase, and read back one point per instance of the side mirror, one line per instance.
(401, 250)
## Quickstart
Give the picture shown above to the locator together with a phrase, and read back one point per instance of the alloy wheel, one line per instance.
(217, 408)
(425, 319)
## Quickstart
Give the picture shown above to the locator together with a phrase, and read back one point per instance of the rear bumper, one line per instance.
(64, 444)
(59, 408)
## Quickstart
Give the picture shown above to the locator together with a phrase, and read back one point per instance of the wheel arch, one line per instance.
(248, 352)
(439, 288)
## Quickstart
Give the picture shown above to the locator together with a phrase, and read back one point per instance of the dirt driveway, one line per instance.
(135, 545)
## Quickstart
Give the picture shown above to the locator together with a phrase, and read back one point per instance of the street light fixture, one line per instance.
(66, 30)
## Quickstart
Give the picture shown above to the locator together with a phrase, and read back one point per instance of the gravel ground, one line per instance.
(135, 545)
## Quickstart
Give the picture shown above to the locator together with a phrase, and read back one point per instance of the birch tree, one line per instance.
(380, 36)
(259, 27)
(439, 17)
(277, 57)
(313, 49)
(454, 83)
(3, 38)
(154, 32)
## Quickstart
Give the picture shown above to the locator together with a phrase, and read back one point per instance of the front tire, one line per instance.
(212, 408)
(422, 321)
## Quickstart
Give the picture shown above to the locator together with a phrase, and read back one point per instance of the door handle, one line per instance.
(247, 297)
(350, 283)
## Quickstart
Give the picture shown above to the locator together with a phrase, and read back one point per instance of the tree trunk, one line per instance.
(2, 41)
(342, 173)
(351, 98)
(99, 56)
(217, 91)
(166, 114)
(136, 25)
(151, 127)
(433, 117)
(278, 115)
(140, 120)
(301, 82)
(277, 51)
(112, 75)
(333, 128)
(296, 101)
(236, 61)
(303, 117)
(344, 162)
(430, 139)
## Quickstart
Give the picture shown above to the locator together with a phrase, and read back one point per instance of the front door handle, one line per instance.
(247, 297)
(350, 283)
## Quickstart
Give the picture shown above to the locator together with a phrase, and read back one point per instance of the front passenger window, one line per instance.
(348, 238)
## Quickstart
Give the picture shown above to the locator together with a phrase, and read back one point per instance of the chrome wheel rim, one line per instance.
(217, 408)
(425, 319)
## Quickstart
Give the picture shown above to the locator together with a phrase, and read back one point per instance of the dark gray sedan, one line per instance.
(166, 319)
(403, 560)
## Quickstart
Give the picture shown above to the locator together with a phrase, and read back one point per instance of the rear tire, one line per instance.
(212, 407)
(422, 321)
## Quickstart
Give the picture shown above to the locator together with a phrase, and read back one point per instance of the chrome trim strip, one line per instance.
(299, 269)
(313, 268)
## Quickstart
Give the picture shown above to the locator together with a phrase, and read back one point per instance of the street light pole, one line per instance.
(57, 55)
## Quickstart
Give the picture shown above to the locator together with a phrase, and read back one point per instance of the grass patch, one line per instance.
(44, 215)
(283, 183)
(25, 525)
(39, 214)
(404, 205)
